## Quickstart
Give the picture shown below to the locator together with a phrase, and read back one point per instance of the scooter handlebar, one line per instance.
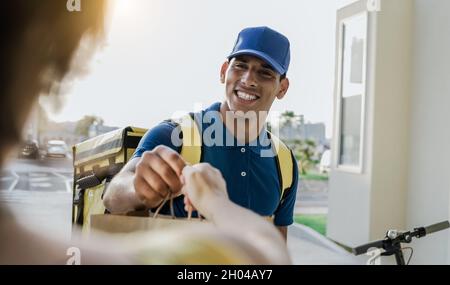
(437, 227)
(362, 249)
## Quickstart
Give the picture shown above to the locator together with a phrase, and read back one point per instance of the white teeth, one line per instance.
(246, 96)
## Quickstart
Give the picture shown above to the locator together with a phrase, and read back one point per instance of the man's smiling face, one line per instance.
(251, 84)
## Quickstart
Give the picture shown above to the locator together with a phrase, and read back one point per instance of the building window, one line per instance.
(352, 43)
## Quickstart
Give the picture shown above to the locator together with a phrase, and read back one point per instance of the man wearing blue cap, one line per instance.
(254, 75)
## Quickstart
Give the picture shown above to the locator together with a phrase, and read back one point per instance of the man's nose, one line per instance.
(248, 79)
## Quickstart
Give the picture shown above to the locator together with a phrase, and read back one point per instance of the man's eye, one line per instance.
(239, 65)
(267, 74)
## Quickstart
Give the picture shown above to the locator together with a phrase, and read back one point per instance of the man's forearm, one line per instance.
(120, 196)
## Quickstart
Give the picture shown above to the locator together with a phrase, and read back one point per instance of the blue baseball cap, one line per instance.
(264, 43)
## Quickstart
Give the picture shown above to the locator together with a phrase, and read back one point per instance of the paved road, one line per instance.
(39, 193)
(49, 175)
(312, 198)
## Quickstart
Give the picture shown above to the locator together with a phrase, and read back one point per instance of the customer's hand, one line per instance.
(158, 174)
(203, 185)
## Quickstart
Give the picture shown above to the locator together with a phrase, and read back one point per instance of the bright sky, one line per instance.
(164, 56)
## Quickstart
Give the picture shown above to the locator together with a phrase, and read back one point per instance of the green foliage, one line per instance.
(316, 222)
(288, 118)
(314, 177)
(84, 124)
(304, 152)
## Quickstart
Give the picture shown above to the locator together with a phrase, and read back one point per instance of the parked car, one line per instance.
(56, 148)
(29, 150)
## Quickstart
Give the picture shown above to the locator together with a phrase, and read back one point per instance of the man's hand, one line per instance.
(203, 184)
(157, 174)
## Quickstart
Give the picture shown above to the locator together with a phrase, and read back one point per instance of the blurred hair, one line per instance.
(38, 42)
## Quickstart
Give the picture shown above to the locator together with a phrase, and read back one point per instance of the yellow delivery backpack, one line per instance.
(95, 162)
(98, 160)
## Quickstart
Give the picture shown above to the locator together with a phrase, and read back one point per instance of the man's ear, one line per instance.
(223, 71)
(284, 86)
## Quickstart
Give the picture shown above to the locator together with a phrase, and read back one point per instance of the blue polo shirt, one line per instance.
(252, 179)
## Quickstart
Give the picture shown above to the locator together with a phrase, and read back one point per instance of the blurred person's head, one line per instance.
(39, 41)
(255, 72)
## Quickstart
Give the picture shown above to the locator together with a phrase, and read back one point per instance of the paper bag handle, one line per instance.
(172, 211)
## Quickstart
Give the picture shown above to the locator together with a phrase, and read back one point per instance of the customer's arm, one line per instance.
(206, 191)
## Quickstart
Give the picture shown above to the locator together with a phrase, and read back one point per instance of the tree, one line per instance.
(84, 124)
(43, 119)
(304, 152)
(288, 118)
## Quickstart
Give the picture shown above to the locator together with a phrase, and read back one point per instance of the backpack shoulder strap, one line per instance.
(285, 164)
(191, 149)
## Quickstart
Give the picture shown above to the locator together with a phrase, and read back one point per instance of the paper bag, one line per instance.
(128, 224)
(140, 221)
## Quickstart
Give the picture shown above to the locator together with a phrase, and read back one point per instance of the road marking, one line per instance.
(40, 185)
(60, 175)
(68, 186)
(16, 180)
(67, 181)
(13, 185)
(39, 179)
(38, 175)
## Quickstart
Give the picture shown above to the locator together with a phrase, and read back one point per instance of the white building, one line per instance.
(390, 165)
